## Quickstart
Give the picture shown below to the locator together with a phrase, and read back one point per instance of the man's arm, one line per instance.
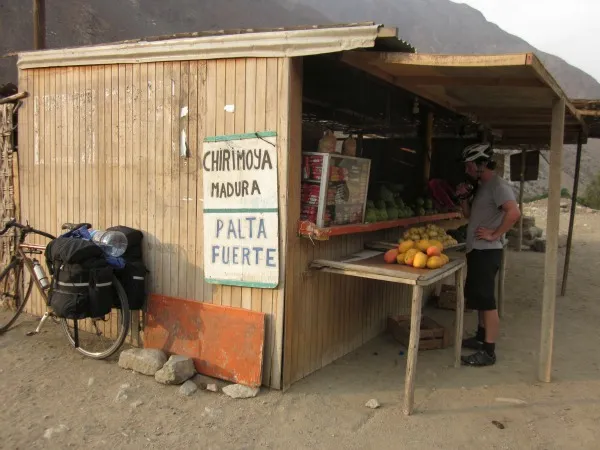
(465, 205)
(512, 214)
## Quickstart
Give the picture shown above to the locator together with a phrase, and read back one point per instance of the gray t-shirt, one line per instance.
(486, 212)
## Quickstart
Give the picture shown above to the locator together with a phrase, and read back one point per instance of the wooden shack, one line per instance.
(113, 134)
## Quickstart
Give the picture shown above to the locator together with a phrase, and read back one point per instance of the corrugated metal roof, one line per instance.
(273, 42)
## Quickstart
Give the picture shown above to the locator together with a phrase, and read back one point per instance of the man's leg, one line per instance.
(488, 313)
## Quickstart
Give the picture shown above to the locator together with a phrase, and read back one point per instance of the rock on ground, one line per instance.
(207, 383)
(122, 393)
(176, 370)
(188, 388)
(55, 430)
(143, 360)
(240, 391)
(373, 404)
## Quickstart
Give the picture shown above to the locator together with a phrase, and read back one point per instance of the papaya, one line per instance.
(435, 262)
(420, 260)
(400, 258)
(436, 243)
(390, 256)
(410, 256)
(405, 246)
(434, 251)
(423, 245)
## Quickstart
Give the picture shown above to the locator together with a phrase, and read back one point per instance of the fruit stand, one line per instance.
(371, 265)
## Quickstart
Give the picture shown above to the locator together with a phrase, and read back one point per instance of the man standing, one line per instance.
(492, 210)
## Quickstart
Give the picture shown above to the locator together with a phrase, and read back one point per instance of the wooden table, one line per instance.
(370, 264)
(388, 245)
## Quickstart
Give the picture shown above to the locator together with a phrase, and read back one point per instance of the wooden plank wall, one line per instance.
(327, 316)
(101, 144)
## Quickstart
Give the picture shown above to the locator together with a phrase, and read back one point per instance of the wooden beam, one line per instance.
(413, 349)
(417, 59)
(545, 76)
(521, 192)
(428, 147)
(589, 113)
(39, 24)
(13, 98)
(563, 289)
(470, 81)
(387, 32)
(552, 228)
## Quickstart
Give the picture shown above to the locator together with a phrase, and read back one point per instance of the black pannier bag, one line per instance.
(82, 279)
(133, 275)
(133, 279)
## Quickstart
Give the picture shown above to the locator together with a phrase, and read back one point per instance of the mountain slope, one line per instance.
(84, 22)
(441, 26)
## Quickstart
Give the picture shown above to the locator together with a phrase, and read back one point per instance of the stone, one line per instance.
(539, 245)
(188, 388)
(240, 391)
(90, 381)
(137, 404)
(142, 360)
(176, 370)
(122, 393)
(204, 382)
(55, 430)
(373, 404)
(512, 401)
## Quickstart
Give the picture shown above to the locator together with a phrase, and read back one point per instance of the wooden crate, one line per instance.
(447, 298)
(433, 335)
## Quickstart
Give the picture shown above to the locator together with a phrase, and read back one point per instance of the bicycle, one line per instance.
(14, 298)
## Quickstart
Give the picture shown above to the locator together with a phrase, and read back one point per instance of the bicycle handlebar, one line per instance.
(26, 228)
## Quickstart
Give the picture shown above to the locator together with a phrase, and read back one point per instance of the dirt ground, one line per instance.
(54, 398)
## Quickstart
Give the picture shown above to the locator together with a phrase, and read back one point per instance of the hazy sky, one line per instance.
(566, 28)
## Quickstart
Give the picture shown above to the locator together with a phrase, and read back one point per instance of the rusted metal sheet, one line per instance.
(224, 342)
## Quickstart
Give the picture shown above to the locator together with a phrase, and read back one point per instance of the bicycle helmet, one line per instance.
(477, 152)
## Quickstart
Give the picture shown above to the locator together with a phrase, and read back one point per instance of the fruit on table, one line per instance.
(420, 260)
(435, 262)
(400, 258)
(405, 246)
(434, 251)
(390, 256)
(423, 245)
(445, 258)
(410, 256)
(438, 244)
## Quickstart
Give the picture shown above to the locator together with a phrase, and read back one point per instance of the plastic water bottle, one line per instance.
(113, 243)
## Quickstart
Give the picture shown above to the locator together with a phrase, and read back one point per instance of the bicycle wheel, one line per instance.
(14, 293)
(99, 338)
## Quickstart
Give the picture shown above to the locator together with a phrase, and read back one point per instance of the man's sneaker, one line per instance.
(473, 343)
(479, 359)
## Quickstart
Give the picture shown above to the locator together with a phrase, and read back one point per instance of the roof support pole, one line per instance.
(552, 228)
(39, 24)
(521, 192)
(563, 290)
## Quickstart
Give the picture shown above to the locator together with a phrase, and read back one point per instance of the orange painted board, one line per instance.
(224, 342)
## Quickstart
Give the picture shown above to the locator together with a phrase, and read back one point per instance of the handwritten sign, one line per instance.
(241, 210)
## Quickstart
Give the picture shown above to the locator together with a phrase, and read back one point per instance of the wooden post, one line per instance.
(521, 190)
(39, 24)
(428, 147)
(460, 314)
(572, 216)
(552, 228)
(413, 349)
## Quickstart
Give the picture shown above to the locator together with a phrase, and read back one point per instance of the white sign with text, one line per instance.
(241, 210)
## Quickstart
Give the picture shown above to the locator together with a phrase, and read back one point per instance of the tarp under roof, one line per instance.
(512, 94)
(266, 43)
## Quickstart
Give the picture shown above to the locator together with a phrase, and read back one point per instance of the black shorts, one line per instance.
(480, 287)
